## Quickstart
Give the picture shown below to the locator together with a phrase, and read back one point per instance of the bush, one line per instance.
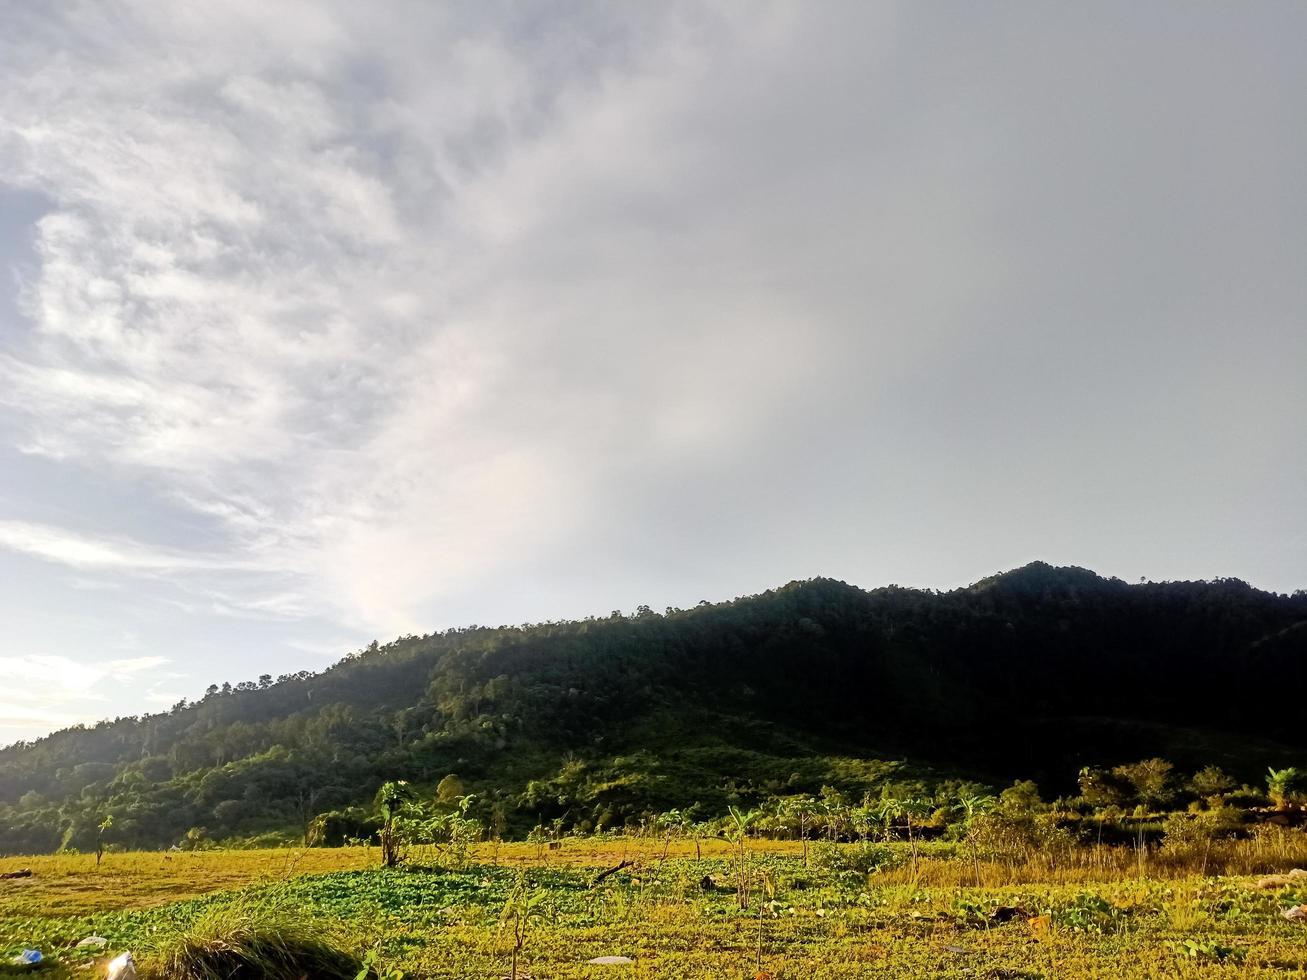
(1189, 834)
(237, 943)
(863, 858)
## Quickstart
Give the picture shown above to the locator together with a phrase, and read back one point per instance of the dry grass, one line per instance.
(1269, 850)
(243, 943)
(71, 884)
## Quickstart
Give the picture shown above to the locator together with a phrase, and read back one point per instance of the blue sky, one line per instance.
(324, 321)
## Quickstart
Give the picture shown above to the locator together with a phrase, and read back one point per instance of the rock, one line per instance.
(92, 942)
(1298, 913)
(121, 967)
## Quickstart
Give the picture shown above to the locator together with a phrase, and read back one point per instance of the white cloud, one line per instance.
(425, 318)
(46, 691)
(77, 551)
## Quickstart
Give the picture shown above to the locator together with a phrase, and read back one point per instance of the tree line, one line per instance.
(1037, 673)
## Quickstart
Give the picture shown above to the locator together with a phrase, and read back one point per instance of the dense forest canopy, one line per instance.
(1029, 674)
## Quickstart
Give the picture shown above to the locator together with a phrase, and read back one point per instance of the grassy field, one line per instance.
(800, 922)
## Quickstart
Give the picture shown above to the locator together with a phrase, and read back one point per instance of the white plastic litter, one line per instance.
(1298, 912)
(121, 968)
(611, 960)
(92, 942)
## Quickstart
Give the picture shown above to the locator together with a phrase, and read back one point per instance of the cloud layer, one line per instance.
(329, 324)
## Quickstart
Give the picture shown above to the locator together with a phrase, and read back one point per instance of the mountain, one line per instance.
(1028, 674)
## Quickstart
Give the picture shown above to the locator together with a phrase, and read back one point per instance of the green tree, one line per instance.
(391, 799)
(1150, 781)
(1211, 784)
(1099, 790)
(1283, 786)
(450, 789)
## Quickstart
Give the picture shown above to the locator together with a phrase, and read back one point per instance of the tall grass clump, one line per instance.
(241, 943)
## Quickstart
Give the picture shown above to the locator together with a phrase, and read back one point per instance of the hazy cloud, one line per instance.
(56, 545)
(330, 323)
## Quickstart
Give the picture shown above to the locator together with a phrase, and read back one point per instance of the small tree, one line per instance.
(905, 808)
(1211, 784)
(453, 832)
(700, 829)
(105, 824)
(737, 832)
(1283, 786)
(391, 799)
(798, 812)
(863, 819)
(972, 806)
(518, 912)
(1099, 790)
(672, 823)
(833, 810)
(1149, 779)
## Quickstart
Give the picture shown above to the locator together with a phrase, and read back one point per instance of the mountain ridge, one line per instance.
(1027, 673)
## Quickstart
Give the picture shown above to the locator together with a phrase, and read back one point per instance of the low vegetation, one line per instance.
(517, 910)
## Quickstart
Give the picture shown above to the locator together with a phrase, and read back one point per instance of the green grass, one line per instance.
(447, 924)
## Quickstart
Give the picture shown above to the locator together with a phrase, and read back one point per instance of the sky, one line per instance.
(323, 322)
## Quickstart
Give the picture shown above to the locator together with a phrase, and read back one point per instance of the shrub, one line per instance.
(863, 859)
(238, 943)
(1190, 835)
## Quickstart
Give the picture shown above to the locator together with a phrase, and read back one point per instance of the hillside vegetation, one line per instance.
(1034, 673)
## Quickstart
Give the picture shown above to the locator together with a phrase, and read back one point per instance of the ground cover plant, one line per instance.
(671, 913)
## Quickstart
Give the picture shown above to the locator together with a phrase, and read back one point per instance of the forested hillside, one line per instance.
(1031, 674)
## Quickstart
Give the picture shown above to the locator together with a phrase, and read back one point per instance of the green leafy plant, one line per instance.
(1089, 913)
(374, 968)
(1208, 950)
